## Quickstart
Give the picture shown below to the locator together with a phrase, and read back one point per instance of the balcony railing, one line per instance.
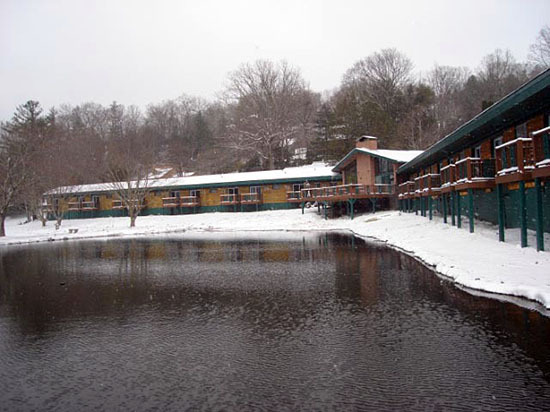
(117, 204)
(251, 198)
(448, 176)
(515, 157)
(474, 168)
(405, 189)
(74, 206)
(293, 196)
(229, 199)
(90, 205)
(170, 201)
(190, 201)
(541, 140)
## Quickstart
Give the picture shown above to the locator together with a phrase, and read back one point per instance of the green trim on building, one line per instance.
(180, 210)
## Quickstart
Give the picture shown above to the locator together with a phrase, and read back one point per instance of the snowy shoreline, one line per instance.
(475, 261)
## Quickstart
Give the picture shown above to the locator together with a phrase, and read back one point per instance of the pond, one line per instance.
(256, 322)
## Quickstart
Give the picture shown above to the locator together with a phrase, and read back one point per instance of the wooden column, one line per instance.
(539, 221)
(430, 207)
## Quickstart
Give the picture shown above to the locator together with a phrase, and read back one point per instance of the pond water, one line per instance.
(291, 322)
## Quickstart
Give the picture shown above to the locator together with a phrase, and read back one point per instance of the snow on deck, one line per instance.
(397, 155)
(312, 171)
(477, 260)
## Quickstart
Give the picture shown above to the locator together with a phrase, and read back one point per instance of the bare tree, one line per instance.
(130, 163)
(447, 83)
(539, 52)
(381, 77)
(265, 100)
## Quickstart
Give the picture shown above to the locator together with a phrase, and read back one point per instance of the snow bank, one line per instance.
(475, 260)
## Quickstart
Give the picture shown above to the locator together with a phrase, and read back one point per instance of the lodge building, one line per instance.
(495, 167)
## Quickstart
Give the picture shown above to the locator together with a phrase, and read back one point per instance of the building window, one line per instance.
(276, 186)
(255, 189)
(521, 130)
(477, 152)
(233, 191)
(212, 190)
(495, 142)
(175, 193)
(296, 187)
(195, 193)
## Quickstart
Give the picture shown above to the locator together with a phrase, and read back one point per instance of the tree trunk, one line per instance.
(133, 220)
(2, 228)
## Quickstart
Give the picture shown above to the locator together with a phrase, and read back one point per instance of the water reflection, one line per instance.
(307, 322)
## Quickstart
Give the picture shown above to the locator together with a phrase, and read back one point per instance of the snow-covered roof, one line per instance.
(316, 170)
(397, 155)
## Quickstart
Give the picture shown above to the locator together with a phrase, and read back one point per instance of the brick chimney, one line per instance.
(367, 142)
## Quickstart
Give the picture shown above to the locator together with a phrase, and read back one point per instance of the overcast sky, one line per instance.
(140, 52)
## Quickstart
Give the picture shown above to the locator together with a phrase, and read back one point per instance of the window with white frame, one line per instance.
(497, 141)
(521, 130)
(477, 152)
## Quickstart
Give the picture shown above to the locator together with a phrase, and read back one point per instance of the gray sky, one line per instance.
(140, 52)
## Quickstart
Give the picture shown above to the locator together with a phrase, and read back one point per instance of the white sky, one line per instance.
(140, 52)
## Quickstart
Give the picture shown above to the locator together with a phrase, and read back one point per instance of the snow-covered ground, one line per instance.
(477, 260)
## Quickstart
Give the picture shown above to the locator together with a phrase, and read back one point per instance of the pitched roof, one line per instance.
(314, 171)
(397, 156)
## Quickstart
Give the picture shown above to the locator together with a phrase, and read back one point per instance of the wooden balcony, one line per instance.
(475, 173)
(90, 205)
(448, 178)
(345, 192)
(190, 201)
(541, 143)
(74, 206)
(251, 198)
(293, 196)
(117, 204)
(406, 190)
(180, 201)
(428, 184)
(515, 160)
(229, 199)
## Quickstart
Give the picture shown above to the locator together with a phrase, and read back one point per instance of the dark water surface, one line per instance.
(301, 322)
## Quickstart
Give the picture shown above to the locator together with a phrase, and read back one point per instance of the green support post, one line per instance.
(444, 208)
(522, 214)
(500, 211)
(325, 207)
(416, 206)
(539, 221)
(303, 207)
(430, 206)
(471, 209)
(351, 203)
(452, 199)
(373, 205)
(319, 207)
(458, 211)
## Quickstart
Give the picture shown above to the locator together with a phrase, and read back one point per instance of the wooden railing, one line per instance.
(229, 199)
(117, 204)
(90, 205)
(430, 183)
(448, 175)
(474, 168)
(74, 206)
(180, 201)
(293, 196)
(516, 156)
(405, 189)
(251, 198)
(541, 141)
(349, 190)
